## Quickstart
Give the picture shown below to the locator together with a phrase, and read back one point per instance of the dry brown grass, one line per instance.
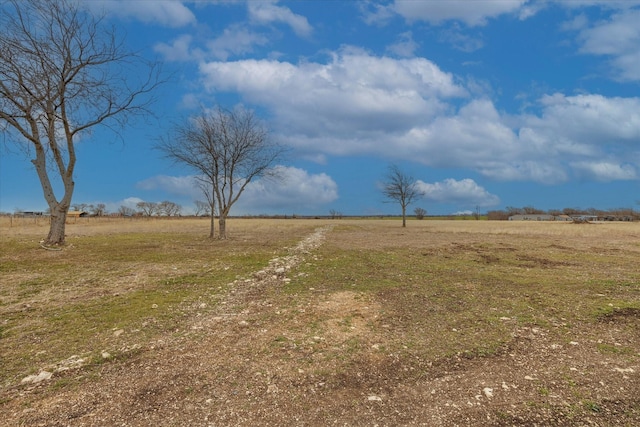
(379, 325)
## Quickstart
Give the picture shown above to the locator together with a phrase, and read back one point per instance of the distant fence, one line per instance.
(21, 220)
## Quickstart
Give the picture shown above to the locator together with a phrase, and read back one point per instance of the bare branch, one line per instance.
(401, 188)
(228, 150)
(63, 72)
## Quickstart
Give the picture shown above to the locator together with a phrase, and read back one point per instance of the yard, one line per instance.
(143, 322)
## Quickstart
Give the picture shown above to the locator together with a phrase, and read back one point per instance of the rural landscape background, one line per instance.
(143, 322)
(137, 288)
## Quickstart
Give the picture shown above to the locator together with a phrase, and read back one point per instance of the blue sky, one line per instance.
(487, 104)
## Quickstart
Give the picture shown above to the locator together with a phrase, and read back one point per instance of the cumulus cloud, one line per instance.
(410, 109)
(590, 118)
(605, 171)
(178, 50)
(266, 12)
(465, 192)
(295, 191)
(168, 13)
(460, 40)
(472, 13)
(618, 38)
(405, 46)
(235, 40)
(352, 92)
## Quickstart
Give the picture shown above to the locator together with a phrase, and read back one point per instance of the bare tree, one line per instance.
(228, 149)
(148, 208)
(512, 210)
(62, 73)
(401, 188)
(206, 186)
(169, 208)
(126, 211)
(420, 213)
(202, 208)
(476, 213)
(99, 209)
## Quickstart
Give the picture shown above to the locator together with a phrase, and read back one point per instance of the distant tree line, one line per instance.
(164, 208)
(572, 212)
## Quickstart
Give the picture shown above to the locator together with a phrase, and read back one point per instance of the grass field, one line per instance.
(545, 315)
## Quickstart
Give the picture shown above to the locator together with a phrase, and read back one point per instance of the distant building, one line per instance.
(77, 214)
(533, 217)
(30, 214)
(540, 217)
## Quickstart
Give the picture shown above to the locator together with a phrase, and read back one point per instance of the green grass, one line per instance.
(468, 297)
(58, 304)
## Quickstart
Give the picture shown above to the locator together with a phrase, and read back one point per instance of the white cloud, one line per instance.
(578, 23)
(578, 124)
(617, 38)
(129, 202)
(169, 13)
(605, 171)
(178, 50)
(375, 13)
(235, 40)
(404, 109)
(354, 92)
(543, 170)
(459, 40)
(405, 46)
(296, 191)
(266, 12)
(465, 192)
(473, 13)
(606, 4)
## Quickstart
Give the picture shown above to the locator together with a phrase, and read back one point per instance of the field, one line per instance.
(320, 322)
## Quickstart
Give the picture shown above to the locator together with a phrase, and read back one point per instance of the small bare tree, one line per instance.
(62, 73)
(169, 208)
(420, 213)
(126, 211)
(148, 208)
(201, 208)
(401, 188)
(99, 209)
(228, 149)
(206, 186)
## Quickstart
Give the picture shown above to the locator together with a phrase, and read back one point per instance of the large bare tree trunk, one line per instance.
(222, 226)
(404, 216)
(57, 208)
(57, 227)
(212, 230)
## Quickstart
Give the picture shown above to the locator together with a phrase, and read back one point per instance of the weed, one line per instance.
(592, 406)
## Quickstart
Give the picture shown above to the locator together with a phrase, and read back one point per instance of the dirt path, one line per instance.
(262, 357)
